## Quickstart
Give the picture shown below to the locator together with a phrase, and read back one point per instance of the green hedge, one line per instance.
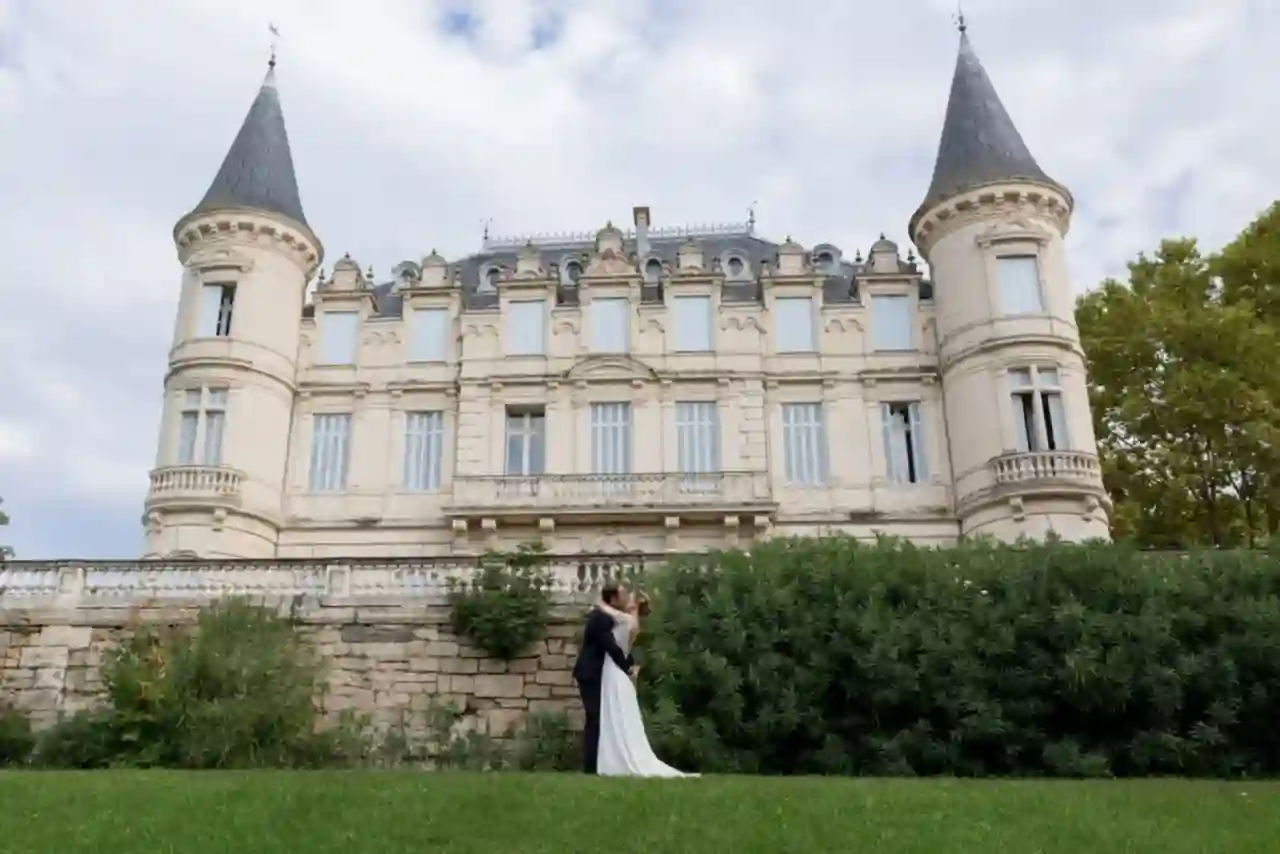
(833, 657)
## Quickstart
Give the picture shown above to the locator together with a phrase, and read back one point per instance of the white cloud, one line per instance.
(1156, 113)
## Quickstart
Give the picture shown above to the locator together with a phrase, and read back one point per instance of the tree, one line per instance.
(1184, 394)
(5, 551)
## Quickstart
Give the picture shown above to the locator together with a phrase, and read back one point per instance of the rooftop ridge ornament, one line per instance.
(565, 239)
(275, 43)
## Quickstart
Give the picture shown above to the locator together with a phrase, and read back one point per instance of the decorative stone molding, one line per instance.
(1019, 230)
(199, 231)
(1004, 200)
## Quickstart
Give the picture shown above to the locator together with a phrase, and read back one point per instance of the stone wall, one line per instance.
(391, 660)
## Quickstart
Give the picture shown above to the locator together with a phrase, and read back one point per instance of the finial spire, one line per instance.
(275, 42)
(751, 218)
(959, 18)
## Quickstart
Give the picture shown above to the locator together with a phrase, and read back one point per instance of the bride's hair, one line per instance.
(642, 604)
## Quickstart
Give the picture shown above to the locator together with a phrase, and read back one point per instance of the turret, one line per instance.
(247, 254)
(991, 227)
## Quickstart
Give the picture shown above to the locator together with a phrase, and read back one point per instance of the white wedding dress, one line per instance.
(624, 747)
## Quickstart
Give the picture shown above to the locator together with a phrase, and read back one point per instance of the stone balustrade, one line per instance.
(202, 484)
(555, 493)
(69, 583)
(1034, 466)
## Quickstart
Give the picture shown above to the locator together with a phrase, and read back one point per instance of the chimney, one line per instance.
(641, 216)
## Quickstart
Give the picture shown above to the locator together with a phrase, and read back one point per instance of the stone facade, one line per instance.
(390, 661)
(665, 388)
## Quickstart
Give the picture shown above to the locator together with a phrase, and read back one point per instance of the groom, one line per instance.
(588, 672)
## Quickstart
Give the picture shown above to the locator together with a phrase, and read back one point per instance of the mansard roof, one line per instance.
(980, 144)
(257, 173)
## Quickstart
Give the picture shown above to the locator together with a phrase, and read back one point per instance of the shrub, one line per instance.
(504, 606)
(238, 690)
(16, 738)
(830, 656)
(547, 742)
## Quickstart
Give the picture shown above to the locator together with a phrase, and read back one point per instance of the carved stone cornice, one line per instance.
(195, 232)
(1007, 200)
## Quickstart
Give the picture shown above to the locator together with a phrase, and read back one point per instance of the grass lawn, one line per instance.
(389, 813)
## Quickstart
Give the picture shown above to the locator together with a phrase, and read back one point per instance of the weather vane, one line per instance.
(958, 18)
(485, 222)
(275, 41)
(751, 217)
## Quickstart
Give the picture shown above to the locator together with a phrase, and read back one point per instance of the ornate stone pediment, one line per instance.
(610, 368)
(610, 263)
(217, 258)
(1012, 231)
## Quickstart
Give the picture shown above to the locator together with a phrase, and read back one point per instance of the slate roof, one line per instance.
(839, 288)
(980, 144)
(257, 172)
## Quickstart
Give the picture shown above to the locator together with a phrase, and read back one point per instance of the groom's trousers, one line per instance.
(590, 693)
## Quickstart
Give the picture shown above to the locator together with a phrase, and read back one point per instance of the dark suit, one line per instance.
(597, 642)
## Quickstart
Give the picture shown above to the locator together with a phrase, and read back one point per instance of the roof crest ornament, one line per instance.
(275, 42)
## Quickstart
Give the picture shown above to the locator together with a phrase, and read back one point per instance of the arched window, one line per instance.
(735, 266)
(653, 271)
(573, 271)
(489, 281)
(826, 262)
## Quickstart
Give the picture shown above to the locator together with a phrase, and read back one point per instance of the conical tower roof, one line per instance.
(257, 172)
(980, 144)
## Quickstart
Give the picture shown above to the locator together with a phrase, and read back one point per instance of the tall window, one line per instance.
(330, 449)
(904, 443)
(610, 324)
(204, 418)
(653, 271)
(697, 444)
(524, 332)
(1039, 419)
(423, 450)
(611, 438)
(793, 324)
(891, 323)
(693, 323)
(429, 331)
(804, 441)
(526, 442)
(339, 337)
(216, 303)
(1019, 280)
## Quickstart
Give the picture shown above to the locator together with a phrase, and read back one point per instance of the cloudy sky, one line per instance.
(411, 121)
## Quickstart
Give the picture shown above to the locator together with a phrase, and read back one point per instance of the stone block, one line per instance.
(554, 662)
(554, 677)
(425, 665)
(442, 649)
(523, 665)
(502, 722)
(492, 665)
(45, 656)
(74, 637)
(459, 665)
(511, 685)
(534, 691)
(377, 634)
(457, 684)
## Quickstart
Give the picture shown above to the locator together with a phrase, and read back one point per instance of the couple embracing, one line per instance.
(614, 743)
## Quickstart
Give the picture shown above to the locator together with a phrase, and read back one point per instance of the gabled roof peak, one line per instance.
(980, 144)
(257, 173)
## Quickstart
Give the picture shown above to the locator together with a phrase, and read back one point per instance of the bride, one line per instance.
(624, 747)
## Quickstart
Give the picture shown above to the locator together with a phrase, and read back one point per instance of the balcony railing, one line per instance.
(589, 491)
(29, 583)
(1037, 466)
(177, 484)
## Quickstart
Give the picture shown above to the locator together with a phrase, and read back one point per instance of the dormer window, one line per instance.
(735, 267)
(489, 282)
(573, 272)
(826, 263)
(653, 271)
